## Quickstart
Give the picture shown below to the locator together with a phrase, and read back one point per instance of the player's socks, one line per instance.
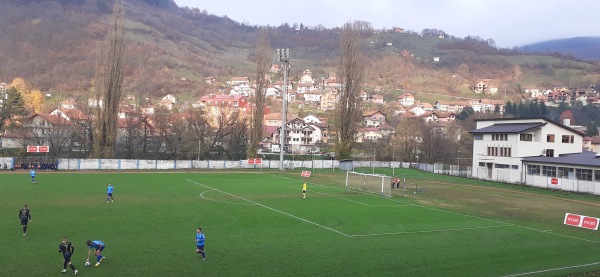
(65, 265)
(25, 230)
(72, 267)
(203, 256)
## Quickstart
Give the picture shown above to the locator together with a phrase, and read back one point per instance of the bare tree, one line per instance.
(263, 59)
(111, 81)
(351, 71)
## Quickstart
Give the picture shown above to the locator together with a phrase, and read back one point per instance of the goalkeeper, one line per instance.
(304, 190)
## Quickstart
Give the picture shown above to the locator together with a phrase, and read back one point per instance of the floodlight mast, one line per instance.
(283, 55)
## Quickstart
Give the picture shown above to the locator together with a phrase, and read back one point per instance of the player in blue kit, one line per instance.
(32, 174)
(200, 242)
(109, 192)
(99, 247)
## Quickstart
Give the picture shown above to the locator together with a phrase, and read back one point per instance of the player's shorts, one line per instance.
(303, 191)
(200, 247)
(67, 256)
(110, 194)
(100, 248)
(24, 221)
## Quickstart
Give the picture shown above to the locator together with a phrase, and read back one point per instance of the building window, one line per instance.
(549, 171)
(478, 137)
(514, 166)
(533, 169)
(564, 172)
(526, 137)
(583, 174)
(549, 152)
(499, 136)
(568, 139)
(483, 165)
(597, 175)
(502, 166)
(549, 138)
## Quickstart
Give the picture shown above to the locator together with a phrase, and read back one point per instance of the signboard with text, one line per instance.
(582, 221)
(38, 149)
(553, 182)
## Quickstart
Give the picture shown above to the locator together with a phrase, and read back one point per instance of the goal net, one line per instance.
(373, 183)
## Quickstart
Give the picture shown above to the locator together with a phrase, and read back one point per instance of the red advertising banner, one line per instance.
(582, 221)
(255, 161)
(305, 174)
(38, 149)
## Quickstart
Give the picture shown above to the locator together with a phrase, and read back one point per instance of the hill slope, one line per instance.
(587, 48)
(54, 45)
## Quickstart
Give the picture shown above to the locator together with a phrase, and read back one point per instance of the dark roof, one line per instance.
(509, 128)
(540, 118)
(586, 158)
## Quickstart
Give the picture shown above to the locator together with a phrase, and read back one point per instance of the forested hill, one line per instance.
(581, 47)
(54, 46)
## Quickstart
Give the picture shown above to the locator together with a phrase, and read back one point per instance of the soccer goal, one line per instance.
(373, 183)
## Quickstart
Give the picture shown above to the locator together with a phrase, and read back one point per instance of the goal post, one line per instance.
(372, 183)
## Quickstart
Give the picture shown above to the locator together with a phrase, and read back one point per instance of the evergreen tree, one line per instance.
(543, 109)
(592, 129)
(14, 105)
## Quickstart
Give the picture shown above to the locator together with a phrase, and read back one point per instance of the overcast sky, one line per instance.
(508, 22)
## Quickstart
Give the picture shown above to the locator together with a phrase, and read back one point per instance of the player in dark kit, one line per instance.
(67, 249)
(25, 217)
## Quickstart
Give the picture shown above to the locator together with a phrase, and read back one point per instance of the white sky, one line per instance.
(508, 22)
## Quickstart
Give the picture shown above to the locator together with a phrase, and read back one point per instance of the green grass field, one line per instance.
(258, 224)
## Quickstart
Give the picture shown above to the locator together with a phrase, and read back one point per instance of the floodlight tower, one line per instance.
(283, 55)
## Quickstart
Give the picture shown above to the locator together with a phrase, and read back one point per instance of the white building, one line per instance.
(500, 145)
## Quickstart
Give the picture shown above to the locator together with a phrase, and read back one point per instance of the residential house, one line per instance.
(377, 99)
(329, 100)
(168, 101)
(486, 86)
(418, 110)
(501, 145)
(373, 118)
(273, 92)
(406, 99)
(332, 82)
(489, 105)
(374, 133)
(210, 80)
(311, 119)
(299, 136)
(312, 98)
(236, 81)
(214, 105)
(272, 120)
(451, 106)
(439, 116)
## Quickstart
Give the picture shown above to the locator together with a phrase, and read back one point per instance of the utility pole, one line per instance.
(283, 55)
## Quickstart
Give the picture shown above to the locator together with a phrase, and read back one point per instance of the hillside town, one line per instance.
(148, 124)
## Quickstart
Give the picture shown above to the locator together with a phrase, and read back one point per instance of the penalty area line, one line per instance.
(551, 269)
(430, 231)
(272, 209)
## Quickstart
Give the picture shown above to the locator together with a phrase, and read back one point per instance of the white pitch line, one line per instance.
(552, 269)
(476, 217)
(430, 231)
(221, 201)
(272, 209)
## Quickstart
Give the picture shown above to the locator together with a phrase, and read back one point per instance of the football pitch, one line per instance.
(257, 224)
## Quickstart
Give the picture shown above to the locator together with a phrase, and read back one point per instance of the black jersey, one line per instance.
(66, 248)
(24, 214)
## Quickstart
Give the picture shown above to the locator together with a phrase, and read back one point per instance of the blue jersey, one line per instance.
(110, 189)
(32, 173)
(200, 239)
(96, 244)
